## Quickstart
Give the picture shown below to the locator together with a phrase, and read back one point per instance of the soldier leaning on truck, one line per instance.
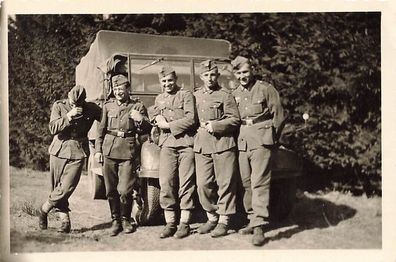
(175, 114)
(261, 113)
(70, 122)
(116, 147)
(215, 151)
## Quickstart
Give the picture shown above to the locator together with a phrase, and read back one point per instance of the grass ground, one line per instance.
(318, 221)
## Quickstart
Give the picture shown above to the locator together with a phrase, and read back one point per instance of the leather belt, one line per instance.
(120, 133)
(67, 137)
(252, 121)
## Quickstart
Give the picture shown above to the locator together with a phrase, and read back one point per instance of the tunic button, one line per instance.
(246, 108)
(203, 110)
(245, 98)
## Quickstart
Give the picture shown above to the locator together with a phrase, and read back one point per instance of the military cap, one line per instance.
(166, 70)
(118, 80)
(77, 94)
(207, 65)
(239, 61)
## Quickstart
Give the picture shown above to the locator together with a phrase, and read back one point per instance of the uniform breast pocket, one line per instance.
(112, 120)
(216, 111)
(257, 106)
(255, 109)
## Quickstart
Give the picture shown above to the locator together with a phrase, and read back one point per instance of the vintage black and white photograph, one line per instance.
(195, 131)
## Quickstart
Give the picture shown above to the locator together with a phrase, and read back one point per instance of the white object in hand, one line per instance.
(136, 115)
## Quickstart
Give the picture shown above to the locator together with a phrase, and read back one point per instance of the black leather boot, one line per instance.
(65, 220)
(258, 236)
(182, 231)
(207, 227)
(169, 230)
(43, 219)
(115, 216)
(43, 215)
(128, 223)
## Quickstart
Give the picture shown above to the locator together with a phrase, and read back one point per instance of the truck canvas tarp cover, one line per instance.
(108, 43)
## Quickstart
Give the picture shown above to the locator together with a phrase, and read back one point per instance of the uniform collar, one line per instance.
(126, 102)
(208, 90)
(250, 87)
(174, 91)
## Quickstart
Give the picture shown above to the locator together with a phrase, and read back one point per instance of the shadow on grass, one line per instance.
(93, 228)
(309, 213)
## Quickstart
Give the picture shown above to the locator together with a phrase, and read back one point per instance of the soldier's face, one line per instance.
(209, 78)
(168, 83)
(244, 74)
(121, 92)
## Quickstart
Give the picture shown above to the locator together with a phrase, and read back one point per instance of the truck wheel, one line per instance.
(282, 198)
(150, 206)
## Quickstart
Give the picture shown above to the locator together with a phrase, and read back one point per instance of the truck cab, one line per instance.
(140, 57)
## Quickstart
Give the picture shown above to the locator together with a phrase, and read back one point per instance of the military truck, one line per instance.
(140, 57)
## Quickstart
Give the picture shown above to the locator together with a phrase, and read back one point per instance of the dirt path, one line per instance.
(327, 221)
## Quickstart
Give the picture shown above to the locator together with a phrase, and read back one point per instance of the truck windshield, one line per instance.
(145, 82)
(226, 78)
(144, 77)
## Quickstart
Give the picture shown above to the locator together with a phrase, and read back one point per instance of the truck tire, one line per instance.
(282, 198)
(150, 206)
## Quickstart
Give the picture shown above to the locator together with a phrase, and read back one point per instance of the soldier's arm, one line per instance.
(101, 131)
(144, 126)
(154, 110)
(97, 112)
(231, 119)
(274, 105)
(58, 122)
(181, 125)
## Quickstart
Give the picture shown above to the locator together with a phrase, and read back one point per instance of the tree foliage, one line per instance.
(325, 64)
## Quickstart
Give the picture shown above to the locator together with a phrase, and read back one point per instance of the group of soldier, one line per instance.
(209, 140)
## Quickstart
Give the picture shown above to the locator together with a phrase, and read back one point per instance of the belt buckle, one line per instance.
(249, 122)
(120, 133)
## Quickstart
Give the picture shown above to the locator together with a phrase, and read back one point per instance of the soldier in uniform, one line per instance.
(175, 114)
(215, 151)
(70, 122)
(261, 114)
(117, 148)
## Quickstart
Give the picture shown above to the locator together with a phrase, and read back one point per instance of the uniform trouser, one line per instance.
(254, 166)
(119, 178)
(177, 178)
(216, 181)
(65, 175)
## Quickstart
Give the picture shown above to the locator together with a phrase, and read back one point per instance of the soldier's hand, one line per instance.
(159, 119)
(161, 122)
(136, 115)
(208, 127)
(99, 157)
(163, 125)
(76, 112)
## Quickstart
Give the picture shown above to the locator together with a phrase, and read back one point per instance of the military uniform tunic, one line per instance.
(215, 153)
(67, 149)
(177, 166)
(261, 113)
(117, 142)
